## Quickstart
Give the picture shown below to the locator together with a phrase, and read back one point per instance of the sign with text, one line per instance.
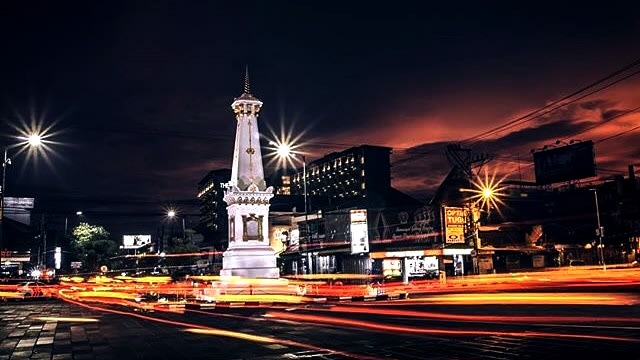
(135, 241)
(454, 220)
(19, 202)
(359, 231)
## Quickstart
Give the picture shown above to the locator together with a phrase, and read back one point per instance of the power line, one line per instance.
(606, 122)
(618, 134)
(560, 102)
(553, 106)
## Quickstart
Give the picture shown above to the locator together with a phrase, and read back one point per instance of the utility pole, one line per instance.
(599, 231)
(44, 242)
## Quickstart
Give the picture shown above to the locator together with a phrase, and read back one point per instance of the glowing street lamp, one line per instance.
(172, 214)
(285, 152)
(66, 220)
(485, 195)
(32, 140)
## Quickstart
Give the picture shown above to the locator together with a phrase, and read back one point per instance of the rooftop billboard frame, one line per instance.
(571, 162)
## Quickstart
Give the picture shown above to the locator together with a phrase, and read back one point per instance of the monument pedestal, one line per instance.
(258, 261)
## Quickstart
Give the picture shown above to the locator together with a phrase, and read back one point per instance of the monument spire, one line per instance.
(247, 166)
(247, 89)
(249, 253)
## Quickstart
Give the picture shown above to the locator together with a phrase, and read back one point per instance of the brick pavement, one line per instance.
(25, 333)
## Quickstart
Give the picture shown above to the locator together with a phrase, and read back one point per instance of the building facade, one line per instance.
(339, 185)
(213, 209)
(354, 172)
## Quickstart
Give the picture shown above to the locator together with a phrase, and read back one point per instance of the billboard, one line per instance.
(135, 241)
(572, 162)
(18, 202)
(57, 256)
(359, 231)
(454, 220)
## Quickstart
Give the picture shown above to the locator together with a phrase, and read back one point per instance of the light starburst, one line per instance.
(487, 192)
(285, 148)
(35, 139)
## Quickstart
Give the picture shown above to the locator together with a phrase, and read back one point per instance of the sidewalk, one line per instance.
(52, 329)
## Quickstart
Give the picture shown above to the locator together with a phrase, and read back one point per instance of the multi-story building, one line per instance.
(213, 209)
(357, 179)
(354, 172)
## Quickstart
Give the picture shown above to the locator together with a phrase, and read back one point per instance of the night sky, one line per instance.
(136, 94)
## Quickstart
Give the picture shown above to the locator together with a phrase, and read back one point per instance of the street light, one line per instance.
(32, 140)
(599, 231)
(66, 220)
(285, 152)
(486, 194)
(172, 214)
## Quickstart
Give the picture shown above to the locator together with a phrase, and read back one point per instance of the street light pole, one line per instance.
(5, 162)
(172, 214)
(285, 151)
(485, 195)
(306, 209)
(184, 235)
(599, 231)
(304, 184)
(66, 219)
(31, 140)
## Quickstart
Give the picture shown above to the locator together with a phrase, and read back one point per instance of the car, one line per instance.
(33, 289)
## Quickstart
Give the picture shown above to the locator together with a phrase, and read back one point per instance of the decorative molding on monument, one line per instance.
(251, 185)
(237, 196)
(246, 105)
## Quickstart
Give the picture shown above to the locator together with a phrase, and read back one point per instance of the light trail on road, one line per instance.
(347, 323)
(201, 329)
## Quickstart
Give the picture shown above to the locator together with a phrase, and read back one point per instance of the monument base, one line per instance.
(250, 262)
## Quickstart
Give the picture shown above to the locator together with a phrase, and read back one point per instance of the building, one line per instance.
(342, 186)
(355, 172)
(213, 209)
(17, 235)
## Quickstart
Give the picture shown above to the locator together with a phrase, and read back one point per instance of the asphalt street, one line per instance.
(53, 329)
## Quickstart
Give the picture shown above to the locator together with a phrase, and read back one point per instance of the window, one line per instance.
(232, 228)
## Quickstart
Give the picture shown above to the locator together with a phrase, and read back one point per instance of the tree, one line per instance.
(186, 245)
(92, 246)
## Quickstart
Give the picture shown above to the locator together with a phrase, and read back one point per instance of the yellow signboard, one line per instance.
(454, 220)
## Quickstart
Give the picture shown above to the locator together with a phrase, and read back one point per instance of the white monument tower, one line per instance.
(247, 197)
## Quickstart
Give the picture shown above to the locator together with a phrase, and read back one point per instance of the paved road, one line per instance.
(54, 330)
